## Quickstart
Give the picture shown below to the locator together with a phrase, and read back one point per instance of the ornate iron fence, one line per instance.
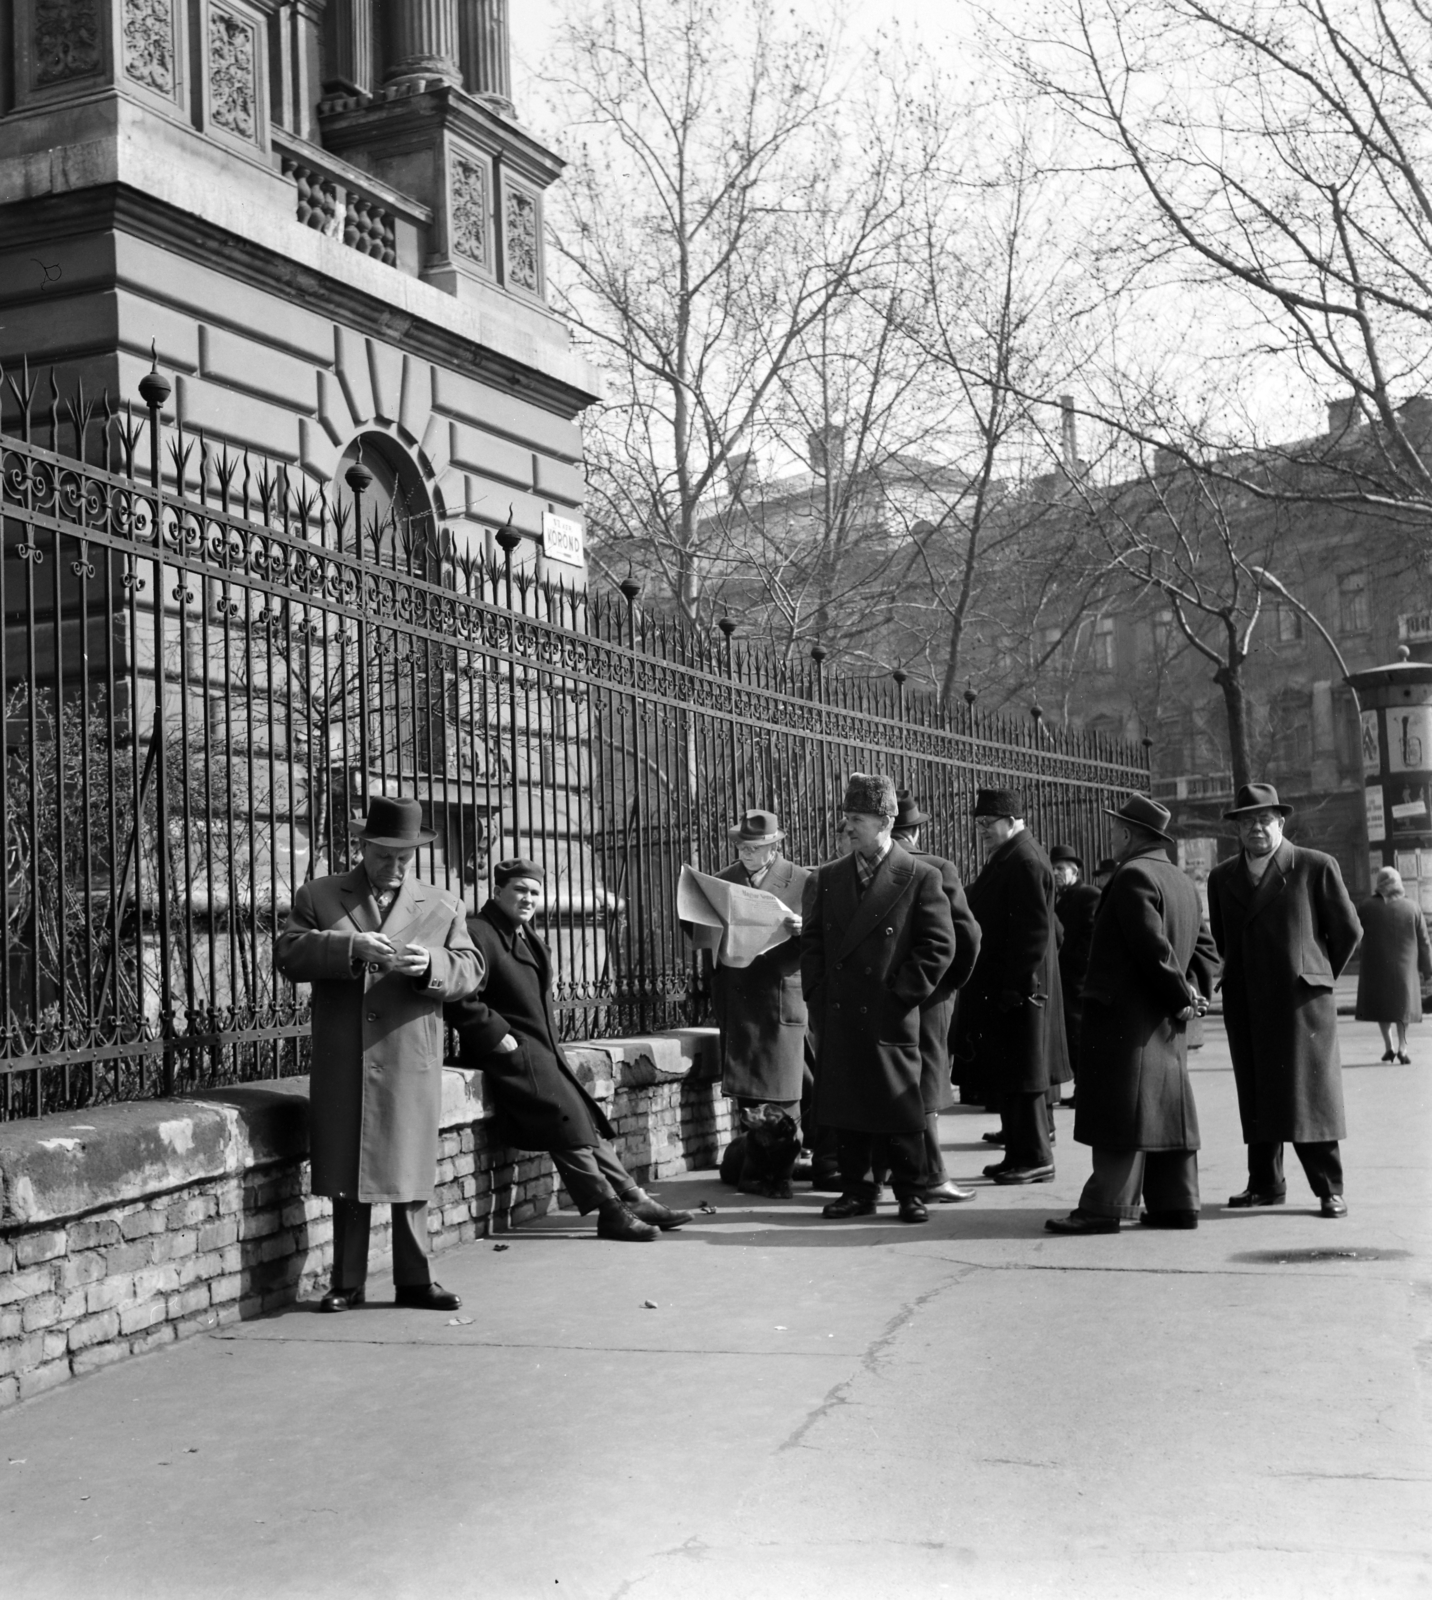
(208, 667)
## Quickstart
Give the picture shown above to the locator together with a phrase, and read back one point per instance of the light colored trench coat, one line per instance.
(375, 1095)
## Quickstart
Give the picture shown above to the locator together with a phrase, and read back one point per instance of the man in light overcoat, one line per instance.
(383, 952)
(1285, 927)
(1151, 969)
(1009, 1029)
(876, 942)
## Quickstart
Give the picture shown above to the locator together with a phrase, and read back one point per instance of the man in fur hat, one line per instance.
(876, 942)
(383, 952)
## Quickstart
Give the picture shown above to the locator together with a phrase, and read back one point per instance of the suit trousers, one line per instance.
(1027, 1121)
(935, 1170)
(1166, 1179)
(412, 1254)
(593, 1173)
(1322, 1162)
(905, 1153)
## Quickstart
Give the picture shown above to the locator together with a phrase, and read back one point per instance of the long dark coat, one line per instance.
(375, 1092)
(1009, 1030)
(1395, 955)
(1283, 943)
(539, 1102)
(868, 963)
(937, 1015)
(1148, 953)
(760, 1009)
(1075, 907)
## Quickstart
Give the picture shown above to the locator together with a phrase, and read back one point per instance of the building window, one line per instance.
(1163, 629)
(1293, 733)
(1104, 645)
(1290, 624)
(1170, 748)
(1354, 608)
(1050, 643)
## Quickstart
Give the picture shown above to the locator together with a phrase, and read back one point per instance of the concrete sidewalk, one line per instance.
(809, 1409)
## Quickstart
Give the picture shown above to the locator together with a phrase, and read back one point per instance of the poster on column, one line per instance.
(1371, 752)
(1409, 739)
(1376, 821)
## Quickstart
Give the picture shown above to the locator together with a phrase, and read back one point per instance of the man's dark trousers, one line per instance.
(1025, 1119)
(905, 1153)
(1321, 1161)
(412, 1255)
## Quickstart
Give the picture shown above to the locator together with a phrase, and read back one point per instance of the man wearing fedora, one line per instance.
(760, 1009)
(1075, 903)
(938, 1012)
(383, 952)
(506, 1029)
(876, 943)
(1151, 969)
(1009, 1029)
(1286, 928)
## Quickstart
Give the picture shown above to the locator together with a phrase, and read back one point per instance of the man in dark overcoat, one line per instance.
(1075, 903)
(1285, 928)
(1151, 969)
(876, 942)
(759, 1008)
(383, 952)
(506, 1030)
(1009, 1028)
(937, 1015)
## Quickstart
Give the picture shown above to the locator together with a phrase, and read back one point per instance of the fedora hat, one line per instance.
(1143, 813)
(907, 813)
(1108, 864)
(756, 827)
(1065, 852)
(999, 803)
(1257, 797)
(392, 822)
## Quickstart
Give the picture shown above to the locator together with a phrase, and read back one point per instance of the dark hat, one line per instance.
(872, 794)
(395, 823)
(1143, 813)
(1108, 864)
(1258, 797)
(517, 867)
(1065, 852)
(907, 813)
(999, 803)
(756, 827)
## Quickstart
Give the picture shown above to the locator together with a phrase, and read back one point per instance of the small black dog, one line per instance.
(761, 1158)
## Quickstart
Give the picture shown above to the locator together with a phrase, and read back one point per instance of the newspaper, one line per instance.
(739, 922)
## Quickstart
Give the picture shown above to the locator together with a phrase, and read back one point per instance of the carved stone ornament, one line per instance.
(65, 40)
(232, 92)
(522, 240)
(149, 44)
(469, 209)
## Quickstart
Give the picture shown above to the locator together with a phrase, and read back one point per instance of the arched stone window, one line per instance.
(399, 523)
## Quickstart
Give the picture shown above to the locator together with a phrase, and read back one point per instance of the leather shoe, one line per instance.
(341, 1299)
(1333, 1205)
(948, 1193)
(995, 1170)
(648, 1210)
(426, 1297)
(1250, 1197)
(912, 1209)
(1168, 1219)
(1076, 1222)
(617, 1220)
(993, 1138)
(1025, 1175)
(849, 1205)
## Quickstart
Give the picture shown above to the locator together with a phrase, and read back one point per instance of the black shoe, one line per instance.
(1250, 1197)
(426, 1297)
(826, 1183)
(1025, 1175)
(912, 1209)
(617, 1220)
(1404, 1059)
(1076, 1222)
(1169, 1219)
(993, 1138)
(341, 1299)
(1333, 1205)
(1389, 1055)
(948, 1193)
(648, 1210)
(995, 1170)
(849, 1205)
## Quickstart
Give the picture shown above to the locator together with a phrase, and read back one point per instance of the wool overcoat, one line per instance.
(540, 1104)
(375, 1093)
(1283, 942)
(868, 963)
(937, 1015)
(1009, 1030)
(760, 1009)
(1148, 954)
(1395, 956)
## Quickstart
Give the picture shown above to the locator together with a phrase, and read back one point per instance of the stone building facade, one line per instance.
(324, 221)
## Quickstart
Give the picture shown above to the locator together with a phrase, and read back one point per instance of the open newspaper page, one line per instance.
(749, 921)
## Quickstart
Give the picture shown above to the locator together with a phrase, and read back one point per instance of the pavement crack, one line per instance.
(1157, 1272)
(525, 1344)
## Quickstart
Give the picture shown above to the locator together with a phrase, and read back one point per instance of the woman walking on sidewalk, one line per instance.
(1396, 958)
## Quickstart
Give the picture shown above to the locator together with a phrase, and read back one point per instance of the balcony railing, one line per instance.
(343, 203)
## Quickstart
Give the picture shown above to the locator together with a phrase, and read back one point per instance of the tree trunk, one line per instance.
(1229, 678)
